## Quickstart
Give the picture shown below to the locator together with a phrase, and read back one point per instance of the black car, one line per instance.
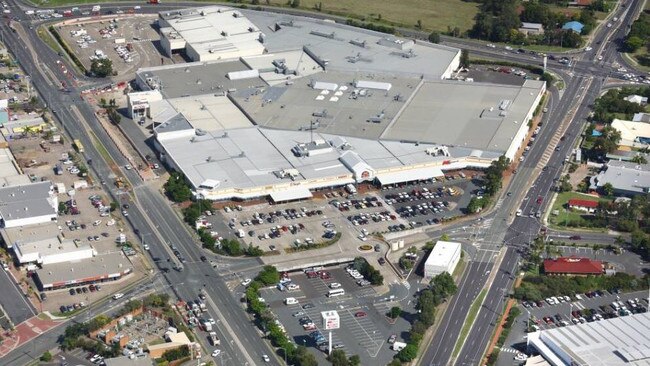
(63, 309)
(381, 261)
(308, 306)
(203, 258)
(84, 290)
(78, 290)
(72, 291)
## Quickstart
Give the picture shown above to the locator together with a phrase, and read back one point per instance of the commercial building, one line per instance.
(619, 341)
(633, 134)
(43, 244)
(327, 105)
(101, 268)
(641, 117)
(627, 178)
(573, 266)
(28, 204)
(209, 33)
(443, 258)
(174, 340)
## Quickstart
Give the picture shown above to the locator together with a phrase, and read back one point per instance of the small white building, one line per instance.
(443, 258)
(636, 99)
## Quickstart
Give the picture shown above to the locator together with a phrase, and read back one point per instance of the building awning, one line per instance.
(408, 175)
(295, 193)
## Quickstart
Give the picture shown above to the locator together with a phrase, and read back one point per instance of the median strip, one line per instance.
(469, 321)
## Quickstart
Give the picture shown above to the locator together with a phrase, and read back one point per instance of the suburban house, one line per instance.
(531, 28)
(583, 205)
(580, 3)
(573, 266)
(636, 99)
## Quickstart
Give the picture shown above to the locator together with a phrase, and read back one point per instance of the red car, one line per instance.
(360, 314)
(539, 200)
(325, 275)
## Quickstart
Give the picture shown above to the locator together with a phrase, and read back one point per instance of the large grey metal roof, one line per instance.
(198, 78)
(626, 176)
(465, 114)
(103, 264)
(24, 201)
(618, 341)
(331, 42)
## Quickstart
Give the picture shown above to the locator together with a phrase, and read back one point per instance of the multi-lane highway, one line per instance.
(160, 227)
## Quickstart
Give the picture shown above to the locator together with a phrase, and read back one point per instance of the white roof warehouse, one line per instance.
(27, 204)
(326, 105)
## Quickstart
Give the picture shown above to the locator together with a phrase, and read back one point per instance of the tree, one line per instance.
(608, 189)
(633, 43)
(63, 208)
(434, 37)
(445, 284)
(395, 362)
(294, 3)
(46, 357)
(177, 188)
(354, 360)
(302, 356)
(394, 312)
(338, 358)
(268, 276)
(407, 353)
(639, 159)
(103, 68)
(464, 58)
(113, 206)
(418, 25)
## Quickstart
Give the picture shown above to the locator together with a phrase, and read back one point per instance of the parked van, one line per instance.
(290, 301)
(398, 346)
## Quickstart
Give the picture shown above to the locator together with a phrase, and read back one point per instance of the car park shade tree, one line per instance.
(339, 358)
(177, 188)
(268, 275)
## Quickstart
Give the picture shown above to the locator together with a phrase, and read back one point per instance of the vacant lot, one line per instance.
(434, 14)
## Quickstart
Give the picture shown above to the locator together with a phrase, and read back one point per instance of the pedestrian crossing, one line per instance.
(549, 150)
(509, 350)
(498, 204)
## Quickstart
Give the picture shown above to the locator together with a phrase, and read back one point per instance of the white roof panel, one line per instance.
(409, 175)
(294, 193)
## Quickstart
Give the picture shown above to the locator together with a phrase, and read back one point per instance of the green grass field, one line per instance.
(434, 14)
(564, 215)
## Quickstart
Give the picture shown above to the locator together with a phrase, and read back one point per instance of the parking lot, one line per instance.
(364, 329)
(86, 218)
(279, 227)
(433, 201)
(582, 308)
(129, 42)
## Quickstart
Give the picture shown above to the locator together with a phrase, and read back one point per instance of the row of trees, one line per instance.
(440, 288)
(296, 355)
(535, 288)
(493, 182)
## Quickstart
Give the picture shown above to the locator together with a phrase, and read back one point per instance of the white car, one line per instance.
(128, 167)
(212, 321)
(216, 352)
(266, 358)
(97, 222)
(246, 282)
(146, 247)
(111, 222)
(335, 285)
(118, 295)
(125, 213)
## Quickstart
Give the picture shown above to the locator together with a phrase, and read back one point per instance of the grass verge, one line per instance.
(469, 321)
(46, 37)
(565, 216)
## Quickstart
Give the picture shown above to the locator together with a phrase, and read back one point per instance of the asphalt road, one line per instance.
(14, 303)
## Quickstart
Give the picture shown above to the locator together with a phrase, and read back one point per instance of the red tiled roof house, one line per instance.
(573, 266)
(583, 205)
